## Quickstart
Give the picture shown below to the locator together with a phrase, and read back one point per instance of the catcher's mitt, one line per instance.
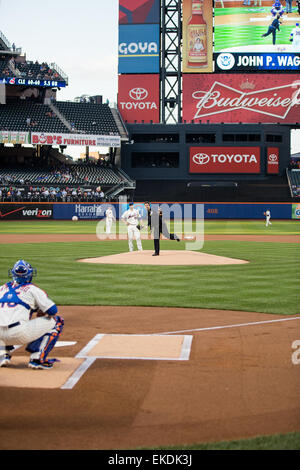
(40, 313)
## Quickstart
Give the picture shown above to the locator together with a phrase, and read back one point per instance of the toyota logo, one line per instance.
(138, 94)
(201, 159)
(273, 157)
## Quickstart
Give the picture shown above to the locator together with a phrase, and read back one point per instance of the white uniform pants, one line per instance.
(134, 233)
(108, 225)
(26, 332)
(268, 221)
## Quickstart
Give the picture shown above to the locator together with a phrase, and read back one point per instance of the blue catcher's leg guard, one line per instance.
(41, 347)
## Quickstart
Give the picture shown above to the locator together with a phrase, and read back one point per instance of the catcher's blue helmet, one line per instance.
(22, 272)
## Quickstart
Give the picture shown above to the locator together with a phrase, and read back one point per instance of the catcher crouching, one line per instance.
(19, 301)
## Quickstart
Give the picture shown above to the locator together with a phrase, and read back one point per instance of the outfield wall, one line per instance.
(96, 211)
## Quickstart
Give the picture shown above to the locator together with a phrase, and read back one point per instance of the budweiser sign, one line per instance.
(238, 98)
(224, 160)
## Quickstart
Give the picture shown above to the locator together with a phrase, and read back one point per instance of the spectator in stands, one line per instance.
(64, 195)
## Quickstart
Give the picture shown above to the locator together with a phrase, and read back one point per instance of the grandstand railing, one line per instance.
(55, 67)
(5, 40)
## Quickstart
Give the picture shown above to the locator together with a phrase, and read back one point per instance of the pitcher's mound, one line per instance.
(167, 257)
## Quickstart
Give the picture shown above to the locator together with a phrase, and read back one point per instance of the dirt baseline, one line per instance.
(238, 382)
(65, 237)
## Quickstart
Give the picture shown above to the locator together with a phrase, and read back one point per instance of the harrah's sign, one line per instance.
(224, 160)
(138, 98)
(242, 98)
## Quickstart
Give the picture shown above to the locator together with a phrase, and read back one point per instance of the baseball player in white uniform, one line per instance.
(131, 218)
(19, 300)
(295, 38)
(268, 217)
(109, 218)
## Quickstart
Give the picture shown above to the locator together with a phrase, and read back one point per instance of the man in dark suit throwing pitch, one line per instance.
(158, 226)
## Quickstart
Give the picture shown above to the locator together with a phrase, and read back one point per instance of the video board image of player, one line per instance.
(257, 27)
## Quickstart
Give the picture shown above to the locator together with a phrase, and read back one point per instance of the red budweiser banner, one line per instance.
(273, 160)
(138, 98)
(224, 160)
(233, 98)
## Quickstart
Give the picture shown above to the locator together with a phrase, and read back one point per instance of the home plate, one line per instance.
(17, 374)
(166, 258)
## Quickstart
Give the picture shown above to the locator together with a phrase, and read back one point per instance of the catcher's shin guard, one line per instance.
(41, 347)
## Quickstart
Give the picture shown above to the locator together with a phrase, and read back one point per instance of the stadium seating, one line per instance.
(76, 174)
(294, 181)
(13, 116)
(3, 68)
(89, 118)
(37, 71)
(85, 118)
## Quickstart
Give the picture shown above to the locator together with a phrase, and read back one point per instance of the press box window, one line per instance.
(241, 137)
(155, 138)
(201, 138)
(154, 160)
(273, 138)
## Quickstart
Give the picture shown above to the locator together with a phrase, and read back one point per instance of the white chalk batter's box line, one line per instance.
(184, 354)
(72, 381)
(89, 360)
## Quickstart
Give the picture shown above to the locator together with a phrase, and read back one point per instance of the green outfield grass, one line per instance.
(211, 227)
(269, 283)
(290, 441)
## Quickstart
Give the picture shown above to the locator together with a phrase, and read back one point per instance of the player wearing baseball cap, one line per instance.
(295, 38)
(19, 300)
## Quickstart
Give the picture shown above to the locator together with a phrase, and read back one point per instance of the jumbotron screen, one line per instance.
(249, 35)
(261, 36)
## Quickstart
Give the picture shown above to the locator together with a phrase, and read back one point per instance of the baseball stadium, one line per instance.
(239, 28)
(149, 294)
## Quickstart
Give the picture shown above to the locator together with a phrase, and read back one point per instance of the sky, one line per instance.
(81, 37)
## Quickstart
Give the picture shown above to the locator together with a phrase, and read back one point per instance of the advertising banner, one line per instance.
(32, 82)
(234, 98)
(247, 211)
(224, 160)
(139, 11)
(91, 211)
(14, 137)
(75, 139)
(296, 211)
(263, 36)
(139, 47)
(197, 47)
(273, 160)
(138, 98)
(25, 211)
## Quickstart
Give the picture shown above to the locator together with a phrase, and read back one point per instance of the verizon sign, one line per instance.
(242, 98)
(138, 98)
(224, 160)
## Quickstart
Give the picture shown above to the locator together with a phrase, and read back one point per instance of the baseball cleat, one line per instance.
(36, 364)
(5, 360)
